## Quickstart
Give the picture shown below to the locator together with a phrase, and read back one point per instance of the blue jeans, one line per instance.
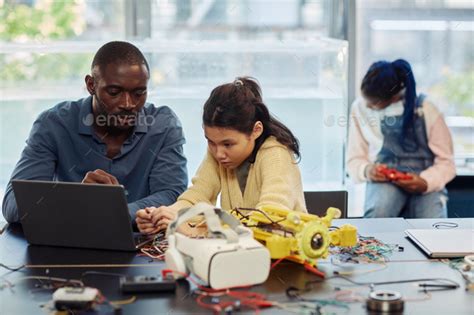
(388, 200)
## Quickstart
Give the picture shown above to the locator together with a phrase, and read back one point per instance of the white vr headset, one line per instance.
(228, 257)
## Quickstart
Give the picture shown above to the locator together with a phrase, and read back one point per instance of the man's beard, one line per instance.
(121, 121)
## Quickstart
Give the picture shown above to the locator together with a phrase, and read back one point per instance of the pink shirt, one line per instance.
(366, 139)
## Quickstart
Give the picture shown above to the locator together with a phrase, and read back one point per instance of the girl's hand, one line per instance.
(373, 175)
(162, 216)
(144, 223)
(415, 185)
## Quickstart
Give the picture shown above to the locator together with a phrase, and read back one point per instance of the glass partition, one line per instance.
(192, 46)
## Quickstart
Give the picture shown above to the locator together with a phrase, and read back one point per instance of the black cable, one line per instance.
(12, 268)
(260, 224)
(293, 293)
(272, 226)
(396, 281)
(308, 284)
(239, 213)
(445, 225)
(254, 209)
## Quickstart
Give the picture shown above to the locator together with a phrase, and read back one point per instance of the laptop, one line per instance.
(443, 243)
(75, 215)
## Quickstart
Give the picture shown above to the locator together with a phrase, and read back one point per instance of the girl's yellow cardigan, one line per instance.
(274, 179)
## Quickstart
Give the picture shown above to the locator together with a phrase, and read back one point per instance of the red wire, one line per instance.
(314, 270)
(254, 303)
(307, 266)
(246, 295)
(250, 299)
(277, 262)
(217, 308)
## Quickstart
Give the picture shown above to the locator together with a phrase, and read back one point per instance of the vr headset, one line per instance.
(228, 257)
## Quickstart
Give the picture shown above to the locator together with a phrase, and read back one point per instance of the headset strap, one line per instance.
(213, 221)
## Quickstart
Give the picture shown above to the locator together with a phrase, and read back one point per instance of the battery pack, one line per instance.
(139, 284)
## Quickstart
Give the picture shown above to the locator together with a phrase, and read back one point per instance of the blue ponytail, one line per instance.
(405, 74)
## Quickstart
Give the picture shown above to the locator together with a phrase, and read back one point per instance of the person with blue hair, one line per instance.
(391, 127)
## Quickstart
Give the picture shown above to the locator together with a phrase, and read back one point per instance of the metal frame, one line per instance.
(137, 19)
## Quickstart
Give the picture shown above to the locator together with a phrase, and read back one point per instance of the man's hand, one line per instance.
(100, 177)
(415, 185)
(373, 175)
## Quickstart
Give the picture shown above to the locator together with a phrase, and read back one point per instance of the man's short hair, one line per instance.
(118, 52)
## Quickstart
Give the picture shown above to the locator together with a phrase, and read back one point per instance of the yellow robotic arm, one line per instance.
(296, 236)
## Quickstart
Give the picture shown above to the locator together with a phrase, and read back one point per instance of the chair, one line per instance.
(317, 202)
(461, 197)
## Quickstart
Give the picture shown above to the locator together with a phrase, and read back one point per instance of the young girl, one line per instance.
(250, 160)
(392, 127)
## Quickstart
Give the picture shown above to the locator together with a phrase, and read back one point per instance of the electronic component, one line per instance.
(385, 301)
(75, 298)
(146, 284)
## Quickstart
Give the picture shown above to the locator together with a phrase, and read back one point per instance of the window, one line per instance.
(192, 46)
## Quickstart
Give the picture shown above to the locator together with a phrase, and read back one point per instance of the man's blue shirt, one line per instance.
(63, 146)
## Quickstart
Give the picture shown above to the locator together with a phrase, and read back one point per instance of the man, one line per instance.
(111, 137)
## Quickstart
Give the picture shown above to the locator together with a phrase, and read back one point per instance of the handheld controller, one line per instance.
(392, 173)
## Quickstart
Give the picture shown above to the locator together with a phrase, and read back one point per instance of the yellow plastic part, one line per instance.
(346, 235)
(297, 236)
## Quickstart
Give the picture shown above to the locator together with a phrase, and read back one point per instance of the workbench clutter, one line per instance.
(320, 276)
(221, 284)
(295, 236)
